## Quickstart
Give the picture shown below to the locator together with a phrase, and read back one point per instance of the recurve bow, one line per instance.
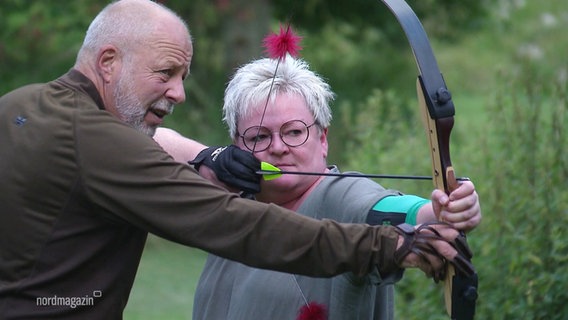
(437, 108)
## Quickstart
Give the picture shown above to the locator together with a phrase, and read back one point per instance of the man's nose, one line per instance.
(176, 92)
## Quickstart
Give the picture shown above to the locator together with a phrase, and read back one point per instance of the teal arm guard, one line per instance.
(395, 210)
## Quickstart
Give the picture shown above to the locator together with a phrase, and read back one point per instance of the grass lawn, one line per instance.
(165, 282)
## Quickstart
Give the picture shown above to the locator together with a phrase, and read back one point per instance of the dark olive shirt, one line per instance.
(80, 190)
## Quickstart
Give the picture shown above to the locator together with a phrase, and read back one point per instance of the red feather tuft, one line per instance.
(286, 42)
(312, 311)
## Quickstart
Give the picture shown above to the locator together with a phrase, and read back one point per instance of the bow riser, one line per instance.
(438, 131)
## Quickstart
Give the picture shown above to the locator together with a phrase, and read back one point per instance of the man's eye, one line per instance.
(166, 72)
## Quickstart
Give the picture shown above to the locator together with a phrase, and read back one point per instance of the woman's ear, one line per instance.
(323, 141)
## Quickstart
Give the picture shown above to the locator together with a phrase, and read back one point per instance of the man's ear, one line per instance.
(108, 62)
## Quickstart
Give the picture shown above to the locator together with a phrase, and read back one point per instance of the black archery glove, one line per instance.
(233, 166)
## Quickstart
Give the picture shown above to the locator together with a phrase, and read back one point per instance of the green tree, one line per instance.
(40, 39)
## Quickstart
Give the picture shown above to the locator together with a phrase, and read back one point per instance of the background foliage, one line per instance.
(505, 64)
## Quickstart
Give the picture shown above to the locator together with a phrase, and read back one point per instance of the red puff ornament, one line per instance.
(312, 311)
(285, 42)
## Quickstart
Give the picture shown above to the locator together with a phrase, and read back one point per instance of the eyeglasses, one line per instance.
(293, 133)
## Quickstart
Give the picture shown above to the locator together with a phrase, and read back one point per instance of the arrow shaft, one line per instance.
(352, 175)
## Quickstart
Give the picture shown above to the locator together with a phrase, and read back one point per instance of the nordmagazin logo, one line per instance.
(71, 302)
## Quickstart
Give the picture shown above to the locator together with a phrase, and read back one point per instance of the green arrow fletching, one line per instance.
(265, 166)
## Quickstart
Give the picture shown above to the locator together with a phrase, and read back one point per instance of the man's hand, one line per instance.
(430, 247)
(461, 208)
(232, 166)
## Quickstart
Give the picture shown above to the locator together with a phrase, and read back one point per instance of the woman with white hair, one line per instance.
(279, 111)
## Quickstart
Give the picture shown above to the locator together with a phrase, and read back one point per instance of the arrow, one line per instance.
(271, 172)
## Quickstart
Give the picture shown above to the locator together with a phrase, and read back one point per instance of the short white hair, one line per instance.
(252, 83)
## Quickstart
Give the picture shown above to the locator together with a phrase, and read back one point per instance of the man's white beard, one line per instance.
(131, 110)
(128, 105)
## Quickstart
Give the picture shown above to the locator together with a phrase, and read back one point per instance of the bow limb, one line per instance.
(438, 111)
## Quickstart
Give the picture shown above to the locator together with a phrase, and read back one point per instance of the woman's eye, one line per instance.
(293, 133)
(258, 138)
